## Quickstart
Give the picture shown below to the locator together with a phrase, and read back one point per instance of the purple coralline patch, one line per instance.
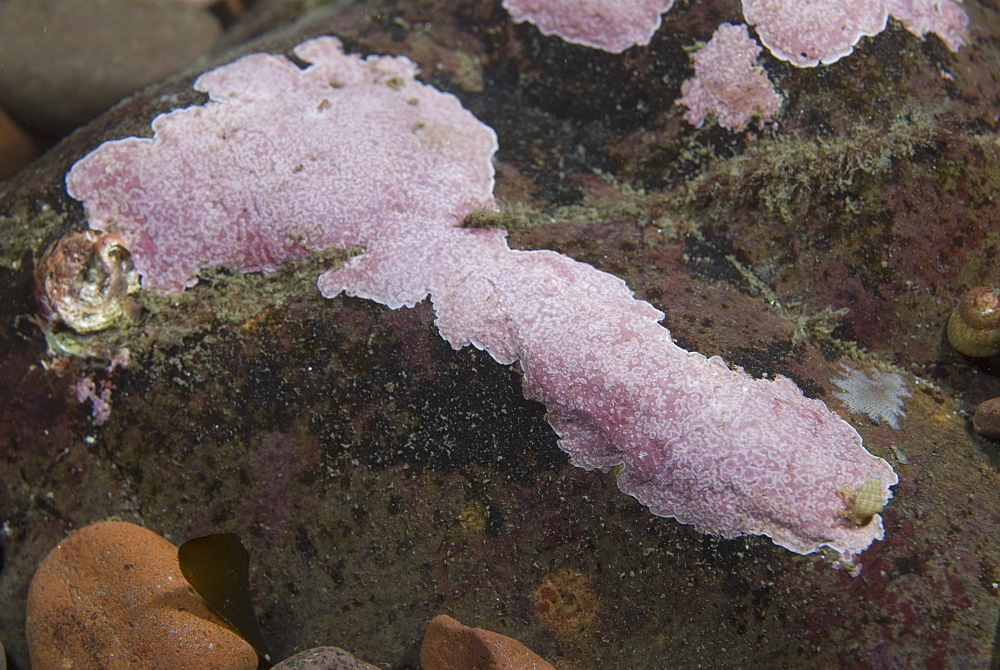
(728, 82)
(802, 33)
(824, 31)
(611, 25)
(944, 18)
(277, 175)
(820, 31)
(375, 160)
(699, 442)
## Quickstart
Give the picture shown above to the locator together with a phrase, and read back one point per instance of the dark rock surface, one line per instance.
(379, 477)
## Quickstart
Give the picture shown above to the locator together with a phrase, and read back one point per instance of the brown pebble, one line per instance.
(66, 61)
(986, 420)
(111, 596)
(448, 645)
(324, 658)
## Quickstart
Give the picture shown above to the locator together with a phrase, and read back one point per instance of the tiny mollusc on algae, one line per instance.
(357, 153)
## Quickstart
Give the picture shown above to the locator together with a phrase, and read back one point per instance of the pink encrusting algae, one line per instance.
(318, 165)
(263, 172)
(944, 18)
(728, 82)
(802, 32)
(611, 25)
(817, 31)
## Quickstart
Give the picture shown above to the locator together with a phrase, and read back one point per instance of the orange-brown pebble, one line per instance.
(111, 596)
(986, 420)
(974, 326)
(448, 645)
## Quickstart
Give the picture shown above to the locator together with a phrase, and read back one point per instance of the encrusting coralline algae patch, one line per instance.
(805, 34)
(353, 152)
(611, 25)
(728, 83)
(802, 33)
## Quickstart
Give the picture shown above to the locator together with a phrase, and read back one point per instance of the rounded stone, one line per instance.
(324, 658)
(65, 61)
(111, 596)
(986, 420)
(450, 645)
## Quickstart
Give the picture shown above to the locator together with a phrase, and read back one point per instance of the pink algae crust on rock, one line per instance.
(805, 33)
(944, 18)
(111, 595)
(283, 160)
(699, 442)
(728, 82)
(611, 25)
(815, 31)
(824, 31)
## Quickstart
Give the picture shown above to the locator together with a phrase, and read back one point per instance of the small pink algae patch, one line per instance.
(944, 18)
(85, 389)
(728, 83)
(611, 25)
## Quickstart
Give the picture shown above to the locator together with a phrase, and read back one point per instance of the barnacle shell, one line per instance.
(84, 280)
(974, 326)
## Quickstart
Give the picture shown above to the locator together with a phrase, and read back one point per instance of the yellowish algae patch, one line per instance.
(473, 517)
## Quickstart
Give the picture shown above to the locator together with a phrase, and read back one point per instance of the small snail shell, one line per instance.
(974, 326)
(84, 281)
(865, 501)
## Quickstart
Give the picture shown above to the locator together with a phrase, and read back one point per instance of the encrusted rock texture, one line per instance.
(380, 478)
